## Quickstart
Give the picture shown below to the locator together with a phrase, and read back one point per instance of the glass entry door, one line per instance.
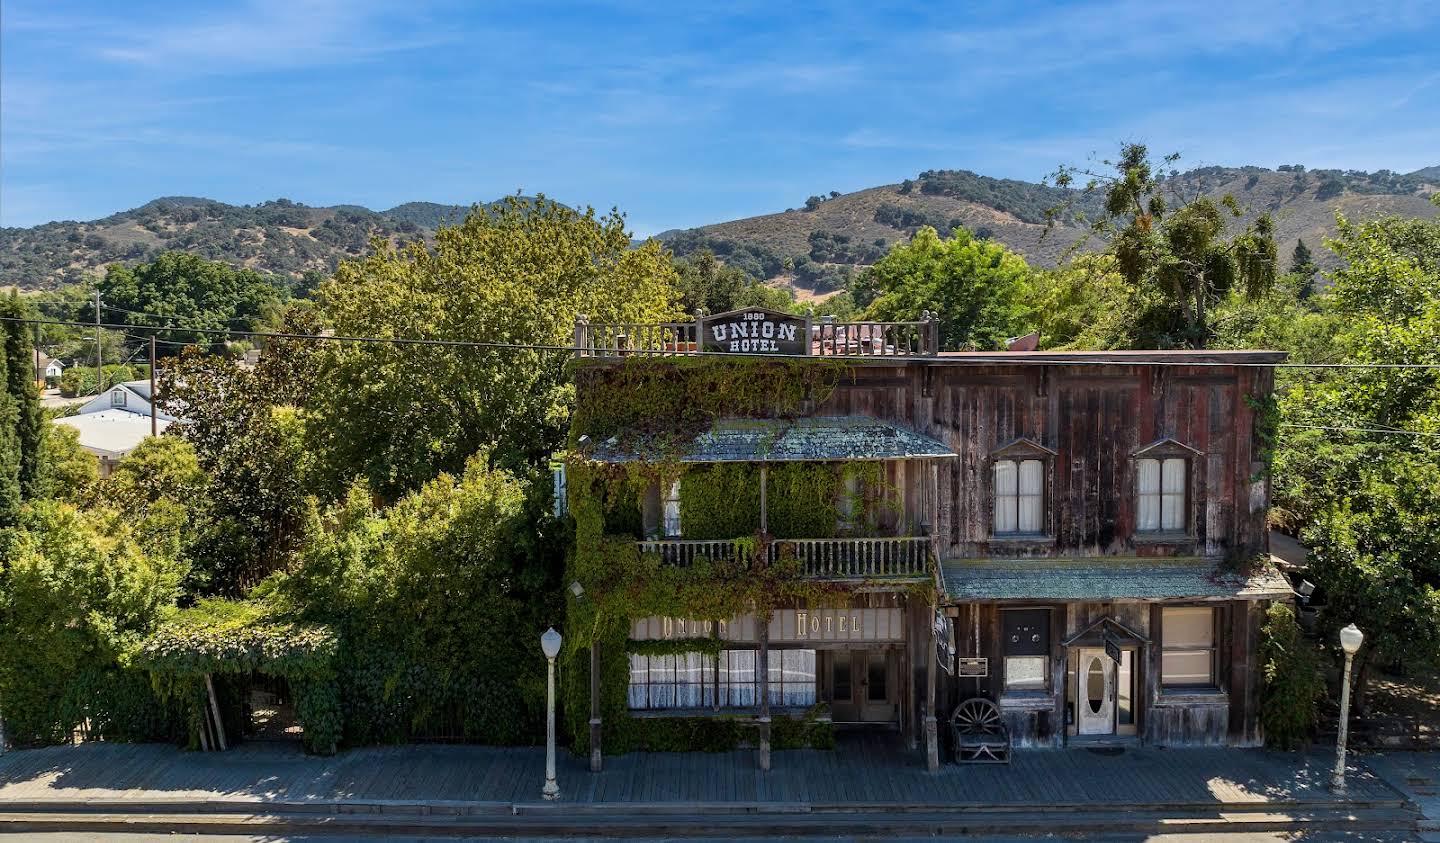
(1094, 692)
(863, 686)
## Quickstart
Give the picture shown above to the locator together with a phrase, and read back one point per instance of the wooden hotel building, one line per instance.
(1076, 538)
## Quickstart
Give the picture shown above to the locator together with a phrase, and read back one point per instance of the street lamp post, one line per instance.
(1350, 640)
(550, 643)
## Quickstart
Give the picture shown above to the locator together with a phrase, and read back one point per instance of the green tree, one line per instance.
(1184, 251)
(188, 291)
(9, 456)
(974, 288)
(77, 592)
(1302, 264)
(438, 601)
(707, 283)
(20, 385)
(67, 471)
(399, 415)
(1085, 304)
(246, 435)
(1368, 502)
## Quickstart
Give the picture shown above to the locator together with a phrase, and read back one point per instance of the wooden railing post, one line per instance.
(582, 325)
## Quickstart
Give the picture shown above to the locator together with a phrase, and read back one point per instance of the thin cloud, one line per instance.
(271, 34)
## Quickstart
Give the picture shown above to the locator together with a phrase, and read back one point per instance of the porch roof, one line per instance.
(812, 439)
(1107, 578)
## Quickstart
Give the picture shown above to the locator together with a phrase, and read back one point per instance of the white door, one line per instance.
(1095, 693)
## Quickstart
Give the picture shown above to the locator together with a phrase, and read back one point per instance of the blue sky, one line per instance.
(676, 114)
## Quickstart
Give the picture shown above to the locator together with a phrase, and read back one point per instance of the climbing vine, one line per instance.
(659, 402)
(1266, 429)
(223, 637)
(656, 407)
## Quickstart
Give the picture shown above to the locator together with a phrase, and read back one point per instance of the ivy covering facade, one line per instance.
(656, 406)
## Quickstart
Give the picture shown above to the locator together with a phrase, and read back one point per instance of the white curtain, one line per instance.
(1005, 493)
(1032, 495)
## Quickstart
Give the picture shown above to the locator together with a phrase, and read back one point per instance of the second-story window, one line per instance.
(670, 510)
(117, 398)
(1019, 497)
(1161, 495)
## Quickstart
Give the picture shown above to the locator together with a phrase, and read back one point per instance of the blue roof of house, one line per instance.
(1108, 578)
(813, 439)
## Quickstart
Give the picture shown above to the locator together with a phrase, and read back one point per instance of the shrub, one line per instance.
(1294, 681)
(76, 597)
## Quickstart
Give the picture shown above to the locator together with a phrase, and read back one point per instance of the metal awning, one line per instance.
(1108, 578)
(814, 439)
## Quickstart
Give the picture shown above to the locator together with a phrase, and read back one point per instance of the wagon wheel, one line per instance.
(978, 717)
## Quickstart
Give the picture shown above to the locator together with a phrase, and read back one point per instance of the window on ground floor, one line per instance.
(1026, 644)
(727, 680)
(1187, 652)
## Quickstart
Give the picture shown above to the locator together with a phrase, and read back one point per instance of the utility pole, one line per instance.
(153, 396)
(99, 369)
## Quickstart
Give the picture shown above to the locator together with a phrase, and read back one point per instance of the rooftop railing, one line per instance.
(826, 336)
(843, 558)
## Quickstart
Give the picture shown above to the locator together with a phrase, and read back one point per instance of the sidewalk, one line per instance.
(1417, 775)
(865, 777)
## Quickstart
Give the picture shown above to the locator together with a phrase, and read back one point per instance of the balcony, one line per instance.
(839, 559)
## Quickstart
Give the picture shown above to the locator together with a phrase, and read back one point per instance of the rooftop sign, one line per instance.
(755, 331)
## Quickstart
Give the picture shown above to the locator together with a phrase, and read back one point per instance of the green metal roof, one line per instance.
(1107, 578)
(814, 439)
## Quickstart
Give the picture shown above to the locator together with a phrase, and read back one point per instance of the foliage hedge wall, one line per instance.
(78, 593)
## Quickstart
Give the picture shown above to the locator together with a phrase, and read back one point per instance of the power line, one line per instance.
(232, 320)
(1000, 358)
(1389, 430)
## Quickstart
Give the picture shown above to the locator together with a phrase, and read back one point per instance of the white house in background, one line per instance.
(112, 433)
(128, 397)
(115, 422)
(50, 368)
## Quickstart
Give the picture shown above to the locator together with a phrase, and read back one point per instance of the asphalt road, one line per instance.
(1246, 837)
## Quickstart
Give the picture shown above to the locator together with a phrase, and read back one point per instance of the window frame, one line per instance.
(716, 693)
(1163, 451)
(1019, 452)
(1160, 494)
(1214, 650)
(1046, 657)
(118, 398)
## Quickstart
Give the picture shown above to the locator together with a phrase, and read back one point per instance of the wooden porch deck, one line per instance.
(865, 771)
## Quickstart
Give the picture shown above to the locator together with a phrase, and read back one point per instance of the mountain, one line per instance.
(281, 237)
(815, 248)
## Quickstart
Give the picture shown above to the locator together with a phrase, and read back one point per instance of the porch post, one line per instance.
(763, 633)
(932, 747)
(764, 495)
(595, 707)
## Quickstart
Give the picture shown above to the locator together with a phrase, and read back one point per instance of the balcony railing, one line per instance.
(849, 558)
(827, 338)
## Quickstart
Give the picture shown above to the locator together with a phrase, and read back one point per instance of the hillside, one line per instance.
(814, 249)
(280, 237)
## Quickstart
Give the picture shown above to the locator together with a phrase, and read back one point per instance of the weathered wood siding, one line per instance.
(1094, 417)
(1229, 717)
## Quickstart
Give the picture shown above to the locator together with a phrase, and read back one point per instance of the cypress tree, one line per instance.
(24, 396)
(1302, 263)
(9, 455)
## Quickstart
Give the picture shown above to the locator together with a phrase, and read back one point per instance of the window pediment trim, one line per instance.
(1166, 447)
(1022, 447)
